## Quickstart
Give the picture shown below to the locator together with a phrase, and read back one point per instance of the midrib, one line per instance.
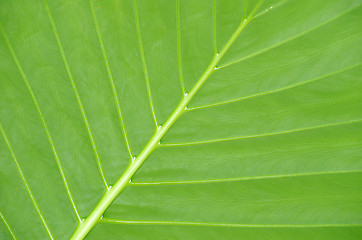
(97, 213)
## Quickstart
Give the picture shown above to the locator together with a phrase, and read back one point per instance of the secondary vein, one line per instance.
(7, 226)
(116, 99)
(258, 135)
(37, 106)
(279, 4)
(214, 35)
(214, 224)
(245, 8)
(286, 40)
(144, 64)
(291, 86)
(225, 180)
(35, 204)
(179, 58)
(62, 53)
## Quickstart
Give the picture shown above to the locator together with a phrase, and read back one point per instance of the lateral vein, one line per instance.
(116, 99)
(214, 35)
(62, 53)
(36, 206)
(213, 224)
(179, 56)
(291, 86)
(37, 106)
(144, 64)
(258, 135)
(279, 4)
(8, 226)
(224, 180)
(286, 40)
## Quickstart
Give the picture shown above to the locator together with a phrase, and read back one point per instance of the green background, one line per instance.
(269, 147)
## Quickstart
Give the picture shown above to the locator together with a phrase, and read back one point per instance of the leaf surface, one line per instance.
(180, 119)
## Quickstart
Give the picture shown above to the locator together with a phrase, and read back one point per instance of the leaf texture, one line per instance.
(180, 119)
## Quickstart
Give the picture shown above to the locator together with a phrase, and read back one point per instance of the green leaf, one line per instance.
(180, 119)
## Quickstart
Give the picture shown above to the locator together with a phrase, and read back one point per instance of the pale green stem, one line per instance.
(124, 180)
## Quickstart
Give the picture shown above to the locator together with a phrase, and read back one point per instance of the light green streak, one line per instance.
(153, 143)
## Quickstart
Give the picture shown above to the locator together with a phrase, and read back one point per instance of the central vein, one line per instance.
(152, 144)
